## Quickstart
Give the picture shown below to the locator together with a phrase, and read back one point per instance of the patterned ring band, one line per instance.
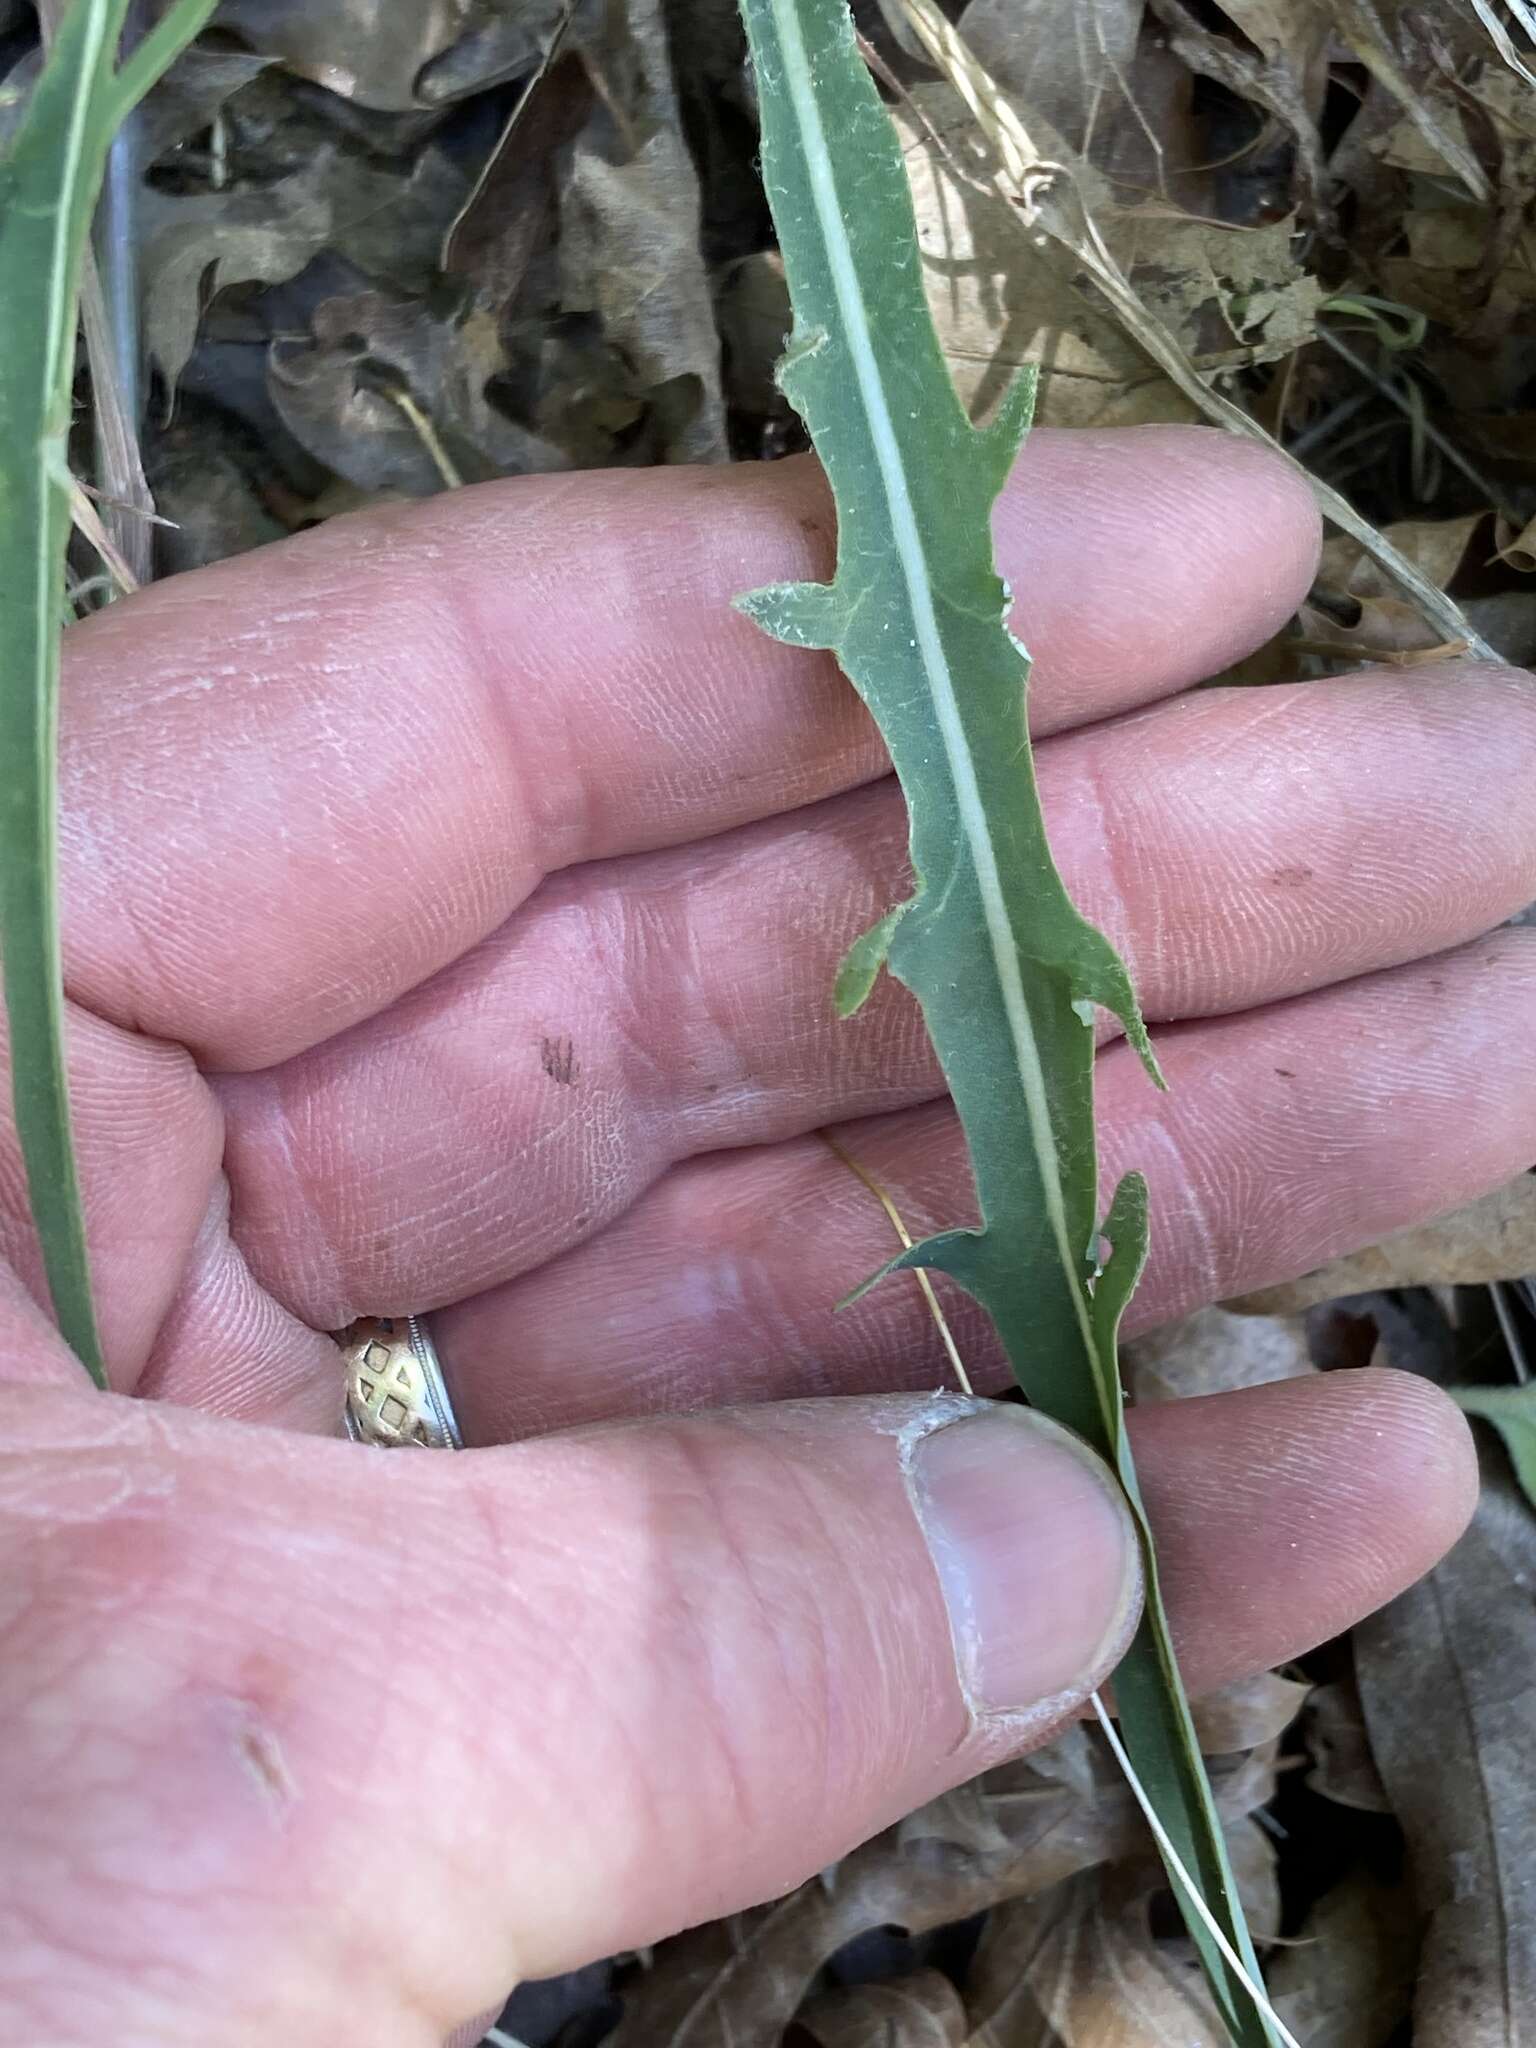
(396, 1393)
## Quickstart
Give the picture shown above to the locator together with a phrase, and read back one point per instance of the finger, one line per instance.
(1239, 846)
(240, 1353)
(621, 1682)
(298, 783)
(1287, 1136)
(263, 1730)
(166, 1273)
(148, 1137)
(32, 1352)
(1246, 1492)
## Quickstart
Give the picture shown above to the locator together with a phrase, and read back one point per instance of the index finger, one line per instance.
(299, 783)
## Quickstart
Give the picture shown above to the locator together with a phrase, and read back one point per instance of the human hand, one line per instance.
(451, 901)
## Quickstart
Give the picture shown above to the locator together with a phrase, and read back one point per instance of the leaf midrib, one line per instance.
(915, 574)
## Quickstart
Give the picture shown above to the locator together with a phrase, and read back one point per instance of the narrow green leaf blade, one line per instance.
(45, 202)
(146, 64)
(1007, 971)
(48, 186)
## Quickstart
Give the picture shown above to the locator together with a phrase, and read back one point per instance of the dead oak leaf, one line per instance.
(1347, 1981)
(923, 2010)
(384, 221)
(1447, 1673)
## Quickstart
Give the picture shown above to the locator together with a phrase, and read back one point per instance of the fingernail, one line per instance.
(1035, 1552)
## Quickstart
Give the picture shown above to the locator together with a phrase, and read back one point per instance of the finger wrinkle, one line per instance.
(148, 1135)
(1184, 1202)
(1099, 849)
(228, 1347)
(309, 1254)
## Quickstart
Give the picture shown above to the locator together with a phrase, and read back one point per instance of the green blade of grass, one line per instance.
(48, 186)
(1007, 971)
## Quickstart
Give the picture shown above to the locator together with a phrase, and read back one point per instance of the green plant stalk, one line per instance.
(1007, 972)
(48, 186)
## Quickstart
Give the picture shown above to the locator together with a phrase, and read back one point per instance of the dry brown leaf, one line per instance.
(1347, 1980)
(1214, 1351)
(1081, 1968)
(204, 491)
(1255, 1865)
(1294, 30)
(1437, 546)
(1231, 295)
(1490, 1239)
(1410, 52)
(1284, 71)
(1447, 1674)
(1517, 544)
(921, 2011)
(1068, 67)
(386, 223)
(1498, 438)
(994, 310)
(191, 93)
(392, 398)
(1015, 1832)
(1466, 264)
(1376, 629)
(1001, 1997)
(629, 248)
(1054, 200)
(1235, 296)
(390, 56)
(1343, 1769)
(1248, 1713)
(1356, 612)
(1431, 136)
(509, 214)
(629, 251)
(737, 1985)
(1116, 95)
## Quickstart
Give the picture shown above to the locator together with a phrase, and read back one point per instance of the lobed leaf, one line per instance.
(1006, 970)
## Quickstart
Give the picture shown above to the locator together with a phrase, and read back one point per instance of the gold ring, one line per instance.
(396, 1393)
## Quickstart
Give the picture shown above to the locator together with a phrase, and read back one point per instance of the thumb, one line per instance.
(339, 1743)
(774, 1631)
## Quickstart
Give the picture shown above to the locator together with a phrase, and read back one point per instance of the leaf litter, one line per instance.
(380, 251)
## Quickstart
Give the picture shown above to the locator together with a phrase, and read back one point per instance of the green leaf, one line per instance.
(1006, 970)
(1512, 1411)
(48, 187)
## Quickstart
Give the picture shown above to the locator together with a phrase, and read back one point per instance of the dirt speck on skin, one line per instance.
(264, 1756)
(261, 1755)
(557, 1056)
